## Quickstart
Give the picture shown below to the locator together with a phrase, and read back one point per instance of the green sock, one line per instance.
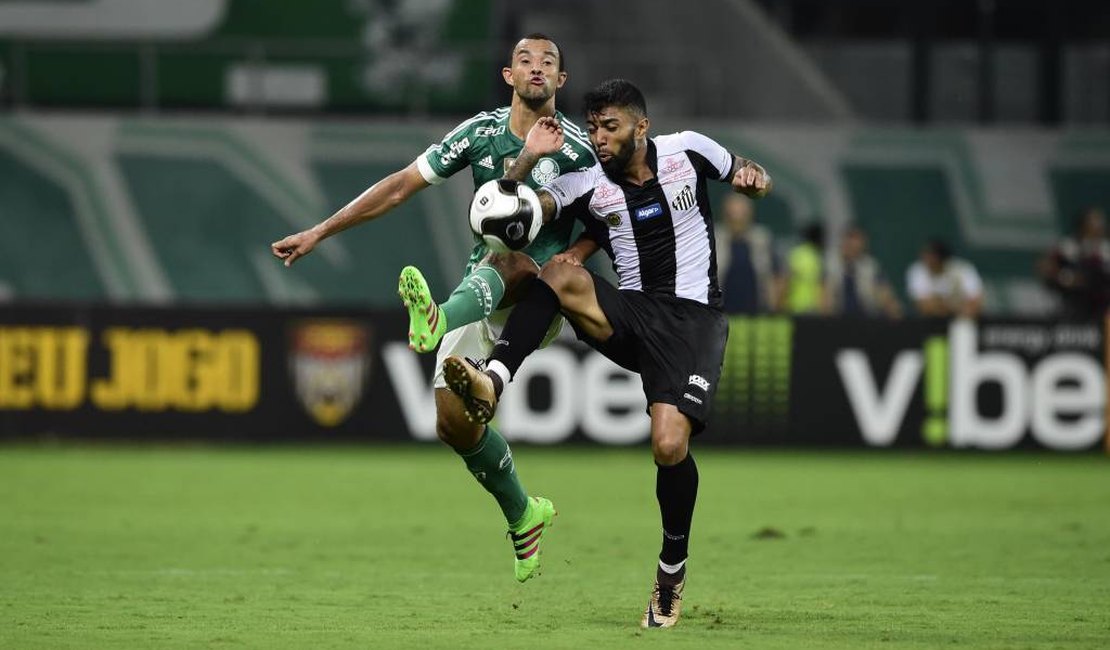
(491, 462)
(475, 298)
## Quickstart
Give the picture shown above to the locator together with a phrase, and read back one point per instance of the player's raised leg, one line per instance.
(676, 488)
(489, 459)
(492, 284)
(427, 324)
(561, 287)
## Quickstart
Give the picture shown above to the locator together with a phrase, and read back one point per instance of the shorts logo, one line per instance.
(699, 381)
(649, 212)
(546, 170)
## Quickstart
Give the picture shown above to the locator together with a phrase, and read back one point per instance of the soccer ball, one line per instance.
(506, 214)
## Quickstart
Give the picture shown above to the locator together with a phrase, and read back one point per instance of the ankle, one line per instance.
(670, 574)
(498, 385)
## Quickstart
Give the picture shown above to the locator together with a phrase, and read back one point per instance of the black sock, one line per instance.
(676, 487)
(527, 325)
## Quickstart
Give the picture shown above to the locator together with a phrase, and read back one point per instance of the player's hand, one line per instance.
(295, 246)
(567, 258)
(545, 137)
(752, 180)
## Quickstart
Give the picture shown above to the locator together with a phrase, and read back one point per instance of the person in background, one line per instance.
(942, 285)
(1078, 267)
(747, 259)
(854, 282)
(805, 272)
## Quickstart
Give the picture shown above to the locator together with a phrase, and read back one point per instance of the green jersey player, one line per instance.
(488, 143)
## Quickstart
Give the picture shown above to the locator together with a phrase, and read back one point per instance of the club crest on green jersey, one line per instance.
(545, 171)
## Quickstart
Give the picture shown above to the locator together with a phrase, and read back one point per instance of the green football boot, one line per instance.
(427, 324)
(528, 535)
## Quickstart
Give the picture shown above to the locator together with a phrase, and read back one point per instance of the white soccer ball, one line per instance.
(506, 214)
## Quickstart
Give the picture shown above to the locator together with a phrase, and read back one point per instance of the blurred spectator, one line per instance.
(804, 272)
(854, 282)
(748, 264)
(1078, 267)
(942, 285)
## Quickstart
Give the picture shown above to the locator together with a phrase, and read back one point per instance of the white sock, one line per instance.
(671, 568)
(501, 370)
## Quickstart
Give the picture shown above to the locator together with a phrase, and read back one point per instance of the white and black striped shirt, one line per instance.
(659, 235)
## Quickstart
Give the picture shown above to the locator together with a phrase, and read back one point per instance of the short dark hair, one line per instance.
(539, 36)
(620, 93)
(814, 233)
(940, 248)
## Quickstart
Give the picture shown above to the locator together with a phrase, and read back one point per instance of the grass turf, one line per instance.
(398, 547)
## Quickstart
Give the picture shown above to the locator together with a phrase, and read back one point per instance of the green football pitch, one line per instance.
(397, 547)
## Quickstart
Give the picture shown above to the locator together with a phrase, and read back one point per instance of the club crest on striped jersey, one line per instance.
(613, 219)
(685, 199)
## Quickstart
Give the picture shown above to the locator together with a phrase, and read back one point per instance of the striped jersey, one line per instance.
(659, 235)
(485, 144)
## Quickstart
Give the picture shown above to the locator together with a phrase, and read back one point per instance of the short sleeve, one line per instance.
(972, 283)
(716, 161)
(452, 155)
(917, 282)
(571, 187)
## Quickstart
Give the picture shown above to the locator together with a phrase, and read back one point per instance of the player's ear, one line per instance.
(642, 128)
(562, 80)
(507, 75)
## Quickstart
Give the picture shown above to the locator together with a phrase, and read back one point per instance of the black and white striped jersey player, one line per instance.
(647, 206)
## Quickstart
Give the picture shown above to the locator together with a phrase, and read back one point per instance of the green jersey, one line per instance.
(486, 145)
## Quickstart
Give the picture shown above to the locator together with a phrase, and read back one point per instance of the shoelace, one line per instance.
(666, 596)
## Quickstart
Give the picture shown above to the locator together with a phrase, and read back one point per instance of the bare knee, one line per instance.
(516, 269)
(669, 449)
(670, 434)
(562, 277)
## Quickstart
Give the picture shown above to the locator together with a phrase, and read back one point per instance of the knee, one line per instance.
(669, 447)
(514, 267)
(455, 430)
(560, 276)
(670, 434)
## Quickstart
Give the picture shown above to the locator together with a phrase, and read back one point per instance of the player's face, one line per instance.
(1094, 225)
(534, 74)
(932, 262)
(854, 245)
(613, 133)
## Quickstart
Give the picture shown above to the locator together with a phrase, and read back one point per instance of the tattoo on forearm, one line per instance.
(522, 166)
(547, 205)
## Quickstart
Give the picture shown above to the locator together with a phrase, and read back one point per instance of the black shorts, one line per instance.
(676, 345)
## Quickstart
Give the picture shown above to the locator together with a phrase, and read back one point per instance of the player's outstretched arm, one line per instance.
(750, 178)
(380, 198)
